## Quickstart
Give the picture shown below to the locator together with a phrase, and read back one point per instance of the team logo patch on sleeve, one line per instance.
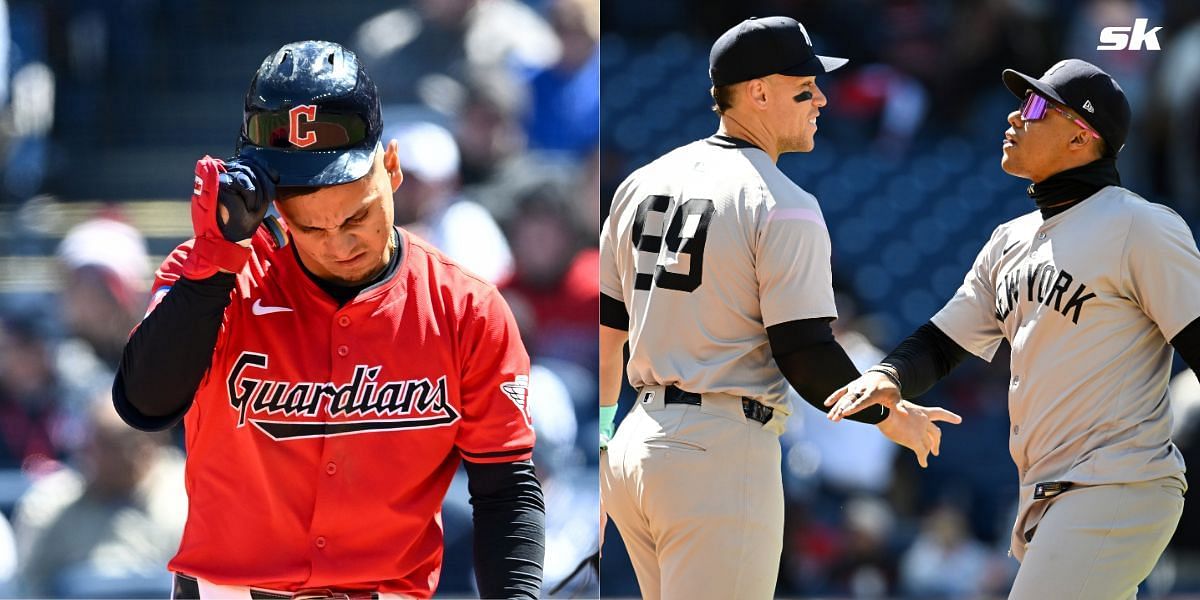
(517, 390)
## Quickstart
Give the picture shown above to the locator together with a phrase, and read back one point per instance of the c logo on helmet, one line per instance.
(309, 112)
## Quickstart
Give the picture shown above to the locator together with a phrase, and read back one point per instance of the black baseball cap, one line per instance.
(1086, 89)
(311, 116)
(759, 47)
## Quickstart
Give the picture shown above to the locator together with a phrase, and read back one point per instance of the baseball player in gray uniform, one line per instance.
(715, 268)
(1092, 290)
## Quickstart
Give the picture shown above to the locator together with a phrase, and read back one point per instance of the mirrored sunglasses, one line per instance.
(1034, 108)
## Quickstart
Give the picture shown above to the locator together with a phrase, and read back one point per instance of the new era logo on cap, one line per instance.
(1088, 106)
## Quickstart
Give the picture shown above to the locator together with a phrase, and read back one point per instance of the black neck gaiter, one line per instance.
(1065, 189)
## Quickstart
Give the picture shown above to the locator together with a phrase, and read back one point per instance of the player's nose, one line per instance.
(1014, 119)
(341, 246)
(819, 98)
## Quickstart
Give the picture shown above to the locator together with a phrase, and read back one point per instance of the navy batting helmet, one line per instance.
(312, 116)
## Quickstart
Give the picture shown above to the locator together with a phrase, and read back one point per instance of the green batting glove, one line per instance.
(607, 415)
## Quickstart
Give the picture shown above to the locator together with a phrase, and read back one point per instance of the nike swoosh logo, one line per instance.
(1010, 247)
(258, 309)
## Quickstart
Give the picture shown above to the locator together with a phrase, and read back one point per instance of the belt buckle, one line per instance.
(319, 594)
(1050, 489)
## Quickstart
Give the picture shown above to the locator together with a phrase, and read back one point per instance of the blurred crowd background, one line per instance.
(907, 171)
(105, 105)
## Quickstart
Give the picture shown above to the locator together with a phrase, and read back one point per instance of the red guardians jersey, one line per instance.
(322, 439)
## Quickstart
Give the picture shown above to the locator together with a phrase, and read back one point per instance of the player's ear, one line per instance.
(755, 91)
(1080, 140)
(391, 162)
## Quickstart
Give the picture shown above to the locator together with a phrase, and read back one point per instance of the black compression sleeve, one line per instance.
(510, 528)
(167, 356)
(815, 364)
(613, 313)
(1187, 344)
(923, 358)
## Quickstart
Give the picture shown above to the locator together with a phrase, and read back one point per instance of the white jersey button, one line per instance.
(1042, 235)
(343, 350)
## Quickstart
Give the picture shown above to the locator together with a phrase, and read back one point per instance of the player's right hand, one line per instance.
(870, 388)
(912, 426)
(244, 193)
(228, 203)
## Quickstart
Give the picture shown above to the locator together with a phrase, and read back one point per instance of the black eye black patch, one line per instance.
(802, 97)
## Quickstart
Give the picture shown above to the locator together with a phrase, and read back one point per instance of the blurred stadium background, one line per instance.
(105, 105)
(906, 168)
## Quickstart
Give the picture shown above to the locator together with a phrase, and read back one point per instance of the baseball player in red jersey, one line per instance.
(330, 369)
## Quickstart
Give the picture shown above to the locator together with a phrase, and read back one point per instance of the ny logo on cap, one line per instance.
(1058, 65)
(1087, 105)
(309, 112)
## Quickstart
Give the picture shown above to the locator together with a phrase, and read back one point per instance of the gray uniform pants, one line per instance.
(697, 494)
(1099, 542)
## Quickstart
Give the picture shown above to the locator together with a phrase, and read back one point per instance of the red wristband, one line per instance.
(208, 256)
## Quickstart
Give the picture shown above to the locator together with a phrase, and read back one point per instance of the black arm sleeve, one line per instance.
(168, 354)
(815, 364)
(613, 313)
(509, 517)
(1187, 344)
(923, 358)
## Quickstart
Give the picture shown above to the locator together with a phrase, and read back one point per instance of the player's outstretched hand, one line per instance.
(244, 193)
(870, 388)
(912, 426)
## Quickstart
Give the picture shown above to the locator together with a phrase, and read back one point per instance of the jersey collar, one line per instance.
(728, 141)
(392, 274)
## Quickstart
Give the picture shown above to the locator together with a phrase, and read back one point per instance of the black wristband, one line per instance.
(889, 372)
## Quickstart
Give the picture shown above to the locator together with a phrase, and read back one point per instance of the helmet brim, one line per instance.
(296, 168)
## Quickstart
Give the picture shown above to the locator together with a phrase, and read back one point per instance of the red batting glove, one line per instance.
(211, 252)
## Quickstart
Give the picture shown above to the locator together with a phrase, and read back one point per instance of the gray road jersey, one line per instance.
(707, 246)
(1088, 299)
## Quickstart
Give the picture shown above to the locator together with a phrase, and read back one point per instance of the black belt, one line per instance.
(187, 588)
(753, 409)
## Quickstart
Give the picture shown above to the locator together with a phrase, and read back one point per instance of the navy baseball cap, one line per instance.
(1086, 89)
(759, 47)
(311, 116)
